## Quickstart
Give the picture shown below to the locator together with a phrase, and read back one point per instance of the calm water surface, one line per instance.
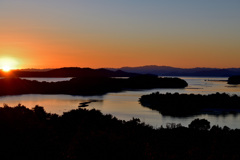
(125, 105)
(48, 79)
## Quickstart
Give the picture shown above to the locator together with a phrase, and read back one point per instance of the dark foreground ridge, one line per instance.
(87, 85)
(82, 134)
(186, 105)
(234, 80)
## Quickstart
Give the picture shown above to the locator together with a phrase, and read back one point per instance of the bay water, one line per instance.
(125, 105)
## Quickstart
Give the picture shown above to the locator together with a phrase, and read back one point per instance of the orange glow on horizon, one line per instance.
(40, 52)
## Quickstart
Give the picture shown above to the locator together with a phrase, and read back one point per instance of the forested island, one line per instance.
(89, 85)
(88, 134)
(175, 104)
(234, 80)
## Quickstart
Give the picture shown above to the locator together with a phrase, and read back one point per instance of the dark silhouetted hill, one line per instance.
(68, 72)
(171, 71)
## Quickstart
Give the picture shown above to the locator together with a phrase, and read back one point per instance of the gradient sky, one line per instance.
(117, 33)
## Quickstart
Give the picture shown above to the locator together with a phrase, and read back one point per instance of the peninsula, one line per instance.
(87, 85)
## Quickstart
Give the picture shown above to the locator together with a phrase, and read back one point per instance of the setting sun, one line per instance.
(7, 64)
(6, 68)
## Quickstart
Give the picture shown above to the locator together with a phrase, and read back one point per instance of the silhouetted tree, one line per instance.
(216, 128)
(200, 124)
(88, 134)
(40, 112)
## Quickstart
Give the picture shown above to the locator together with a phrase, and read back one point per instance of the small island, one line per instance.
(234, 80)
(190, 104)
(93, 85)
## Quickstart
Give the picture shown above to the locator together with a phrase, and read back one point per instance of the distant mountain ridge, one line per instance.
(172, 71)
(125, 72)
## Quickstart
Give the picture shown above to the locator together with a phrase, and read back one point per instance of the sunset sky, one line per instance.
(117, 33)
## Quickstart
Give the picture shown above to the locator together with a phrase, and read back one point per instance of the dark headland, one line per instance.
(87, 85)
